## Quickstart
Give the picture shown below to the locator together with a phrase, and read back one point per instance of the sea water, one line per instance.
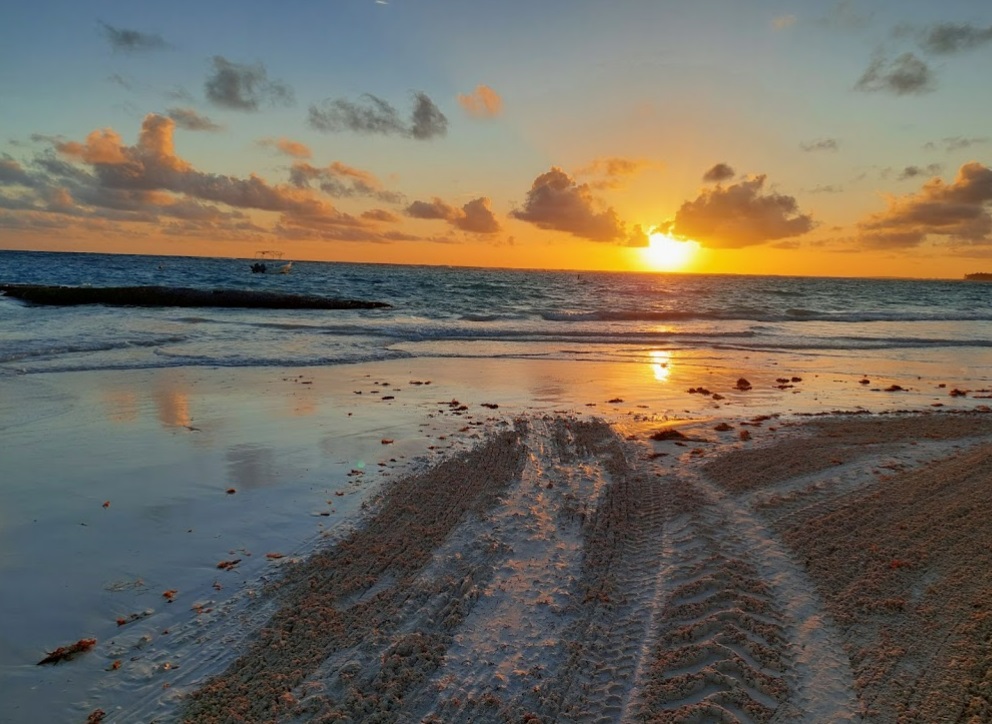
(453, 312)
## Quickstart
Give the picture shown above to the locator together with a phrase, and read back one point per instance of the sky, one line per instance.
(813, 137)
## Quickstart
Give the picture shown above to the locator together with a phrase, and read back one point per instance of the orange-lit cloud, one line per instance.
(739, 215)
(958, 210)
(101, 146)
(287, 146)
(611, 172)
(103, 181)
(557, 203)
(341, 180)
(476, 216)
(483, 102)
(382, 215)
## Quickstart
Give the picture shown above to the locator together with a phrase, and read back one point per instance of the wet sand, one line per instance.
(504, 555)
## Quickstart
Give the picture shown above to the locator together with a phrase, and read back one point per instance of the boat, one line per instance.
(259, 266)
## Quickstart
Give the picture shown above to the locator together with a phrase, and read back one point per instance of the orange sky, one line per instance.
(825, 140)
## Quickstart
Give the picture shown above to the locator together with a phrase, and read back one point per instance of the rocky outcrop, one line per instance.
(178, 297)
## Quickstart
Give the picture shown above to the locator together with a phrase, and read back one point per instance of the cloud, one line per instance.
(611, 172)
(949, 38)
(244, 87)
(380, 215)
(103, 180)
(905, 75)
(340, 180)
(821, 144)
(190, 120)
(286, 146)
(373, 115)
(118, 79)
(719, 172)
(427, 121)
(132, 41)
(825, 189)
(13, 174)
(476, 216)
(783, 21)
(914, 171)
(556, 202)
(483, 102)
(959, 211)
(740, 215)
(955, 143)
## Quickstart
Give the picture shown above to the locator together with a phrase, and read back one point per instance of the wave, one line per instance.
(751, 315)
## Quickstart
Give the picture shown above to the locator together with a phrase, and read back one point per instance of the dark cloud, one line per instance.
(373, 115)
(740, 215)
(13, 174)
(132, 41)
(427, 121)
(825, 189)
(914, 171)
(190, 120)
(821, 144)
(955, 143)
(476, 216)
(244, 87)
(958, 211)
(948, 38)
(719, 172)
(118, 79)
(905, 75)
(339, 180)
(556, 202)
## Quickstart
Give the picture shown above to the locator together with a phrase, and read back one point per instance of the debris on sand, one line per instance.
(66, 653)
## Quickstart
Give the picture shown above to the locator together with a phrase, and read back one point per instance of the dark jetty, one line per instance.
(178, 297)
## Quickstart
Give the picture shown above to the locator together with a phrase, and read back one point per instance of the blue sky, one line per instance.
(551, 134)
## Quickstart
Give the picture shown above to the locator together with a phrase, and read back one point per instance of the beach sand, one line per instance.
(497, 540)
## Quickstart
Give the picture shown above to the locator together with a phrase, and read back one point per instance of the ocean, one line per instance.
(492, 313)
(142, 450)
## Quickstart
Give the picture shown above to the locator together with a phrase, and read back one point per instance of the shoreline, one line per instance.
(291, 441)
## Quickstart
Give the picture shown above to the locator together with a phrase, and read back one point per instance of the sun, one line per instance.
(667, 254)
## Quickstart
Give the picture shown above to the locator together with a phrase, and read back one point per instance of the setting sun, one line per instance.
(667, 254)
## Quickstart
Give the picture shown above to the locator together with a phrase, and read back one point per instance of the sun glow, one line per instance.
(667, 254)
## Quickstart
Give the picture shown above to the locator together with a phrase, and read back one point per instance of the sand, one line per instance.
(499, 546)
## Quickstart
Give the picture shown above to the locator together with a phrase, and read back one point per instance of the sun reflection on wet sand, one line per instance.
(661, 360)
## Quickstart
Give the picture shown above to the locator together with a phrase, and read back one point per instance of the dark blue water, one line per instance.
(439, 311)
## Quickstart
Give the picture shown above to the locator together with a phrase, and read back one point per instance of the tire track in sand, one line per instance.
(811, 677)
